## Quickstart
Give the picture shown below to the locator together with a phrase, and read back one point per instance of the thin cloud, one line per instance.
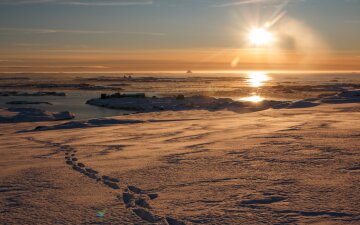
(49, 31)
(248, 2)
(54, 31)
(237, 3)
(80, 2)
(9, 61)
(141, 33)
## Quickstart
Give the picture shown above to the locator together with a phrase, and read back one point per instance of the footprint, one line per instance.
(152, 196)
(133, 197)
(89, 170)
(172, 221)
(136, 190)
(128, 199)
(146, 215)
(111, 184)
(115, 180)
(78, 169)
(91, 175)
(142, 202)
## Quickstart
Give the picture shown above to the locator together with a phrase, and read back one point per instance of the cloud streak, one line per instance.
(49, 31)
(64, 31)
(249, 2)
(79, 2)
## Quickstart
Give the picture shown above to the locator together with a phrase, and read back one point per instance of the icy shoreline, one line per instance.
(19, 115)
(36, 94)
(27, 103)
(154, 104)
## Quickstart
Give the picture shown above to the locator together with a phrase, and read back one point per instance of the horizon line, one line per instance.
(185, 72)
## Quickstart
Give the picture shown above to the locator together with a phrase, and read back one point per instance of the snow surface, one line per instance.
(294, 165)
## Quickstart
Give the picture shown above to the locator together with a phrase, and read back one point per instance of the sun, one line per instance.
(260, 37)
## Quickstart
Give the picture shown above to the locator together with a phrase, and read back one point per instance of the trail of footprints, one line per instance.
(134, 198)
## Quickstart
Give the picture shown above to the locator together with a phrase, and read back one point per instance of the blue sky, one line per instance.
(33, 26)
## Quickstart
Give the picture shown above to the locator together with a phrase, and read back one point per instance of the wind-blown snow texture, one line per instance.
(295, 165)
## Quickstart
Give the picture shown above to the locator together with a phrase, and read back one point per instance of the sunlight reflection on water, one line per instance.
(253, 98)
(257, 79)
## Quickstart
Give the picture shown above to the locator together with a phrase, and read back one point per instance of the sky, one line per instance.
(177, 35)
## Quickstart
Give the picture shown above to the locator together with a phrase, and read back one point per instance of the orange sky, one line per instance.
(173, 35)
(176, 60)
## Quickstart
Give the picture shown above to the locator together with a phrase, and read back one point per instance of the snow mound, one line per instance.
(85, 124)
(37, 94)
(147, 104)
(27, 103)
(34, 115)
(302, 104)
(344, 97)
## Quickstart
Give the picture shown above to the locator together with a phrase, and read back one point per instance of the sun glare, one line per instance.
(260, 36)
(254, 99)
(257, 79)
